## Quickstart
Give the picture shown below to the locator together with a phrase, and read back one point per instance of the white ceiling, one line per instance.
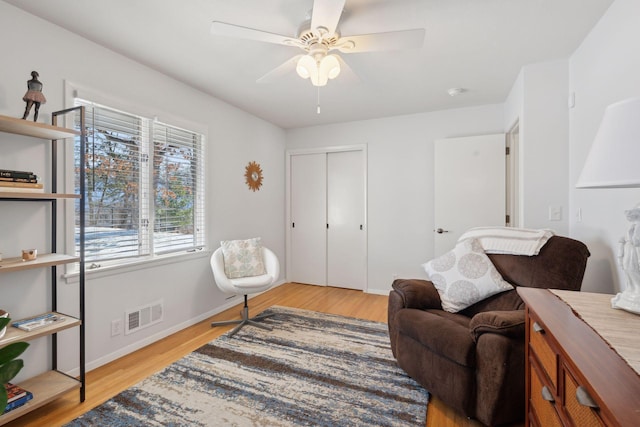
(479, 45)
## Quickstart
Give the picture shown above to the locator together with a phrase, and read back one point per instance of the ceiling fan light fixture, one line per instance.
(328, 67)
(306, 67)
(318, 36)
(331, 66)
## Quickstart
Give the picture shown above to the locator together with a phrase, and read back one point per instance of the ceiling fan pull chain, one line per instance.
(318, 106)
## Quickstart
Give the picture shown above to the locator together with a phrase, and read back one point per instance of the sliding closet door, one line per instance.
(346, 260)
(308, 204)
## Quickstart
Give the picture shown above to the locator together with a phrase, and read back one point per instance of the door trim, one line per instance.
(325, 150)
(513, 181)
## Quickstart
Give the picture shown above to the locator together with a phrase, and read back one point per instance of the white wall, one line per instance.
(538, 102)
(400, 180)
(233, 139)
(603, 70)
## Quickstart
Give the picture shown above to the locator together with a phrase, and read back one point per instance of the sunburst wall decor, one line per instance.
(253, 176)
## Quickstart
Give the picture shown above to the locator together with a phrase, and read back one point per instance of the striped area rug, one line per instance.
(313, 369)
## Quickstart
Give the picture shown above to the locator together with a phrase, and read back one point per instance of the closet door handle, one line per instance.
(584, 398)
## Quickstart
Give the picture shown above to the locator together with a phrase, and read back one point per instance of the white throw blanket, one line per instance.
(508, 240)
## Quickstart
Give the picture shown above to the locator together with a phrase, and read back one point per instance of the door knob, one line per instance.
(440, 231)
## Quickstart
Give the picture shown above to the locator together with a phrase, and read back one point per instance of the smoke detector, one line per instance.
(455, 91)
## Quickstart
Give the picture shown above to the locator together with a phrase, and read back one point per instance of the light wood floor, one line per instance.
(109, 380)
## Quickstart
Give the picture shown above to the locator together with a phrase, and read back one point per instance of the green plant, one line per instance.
(9, 365)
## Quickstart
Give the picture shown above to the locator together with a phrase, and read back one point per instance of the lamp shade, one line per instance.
(614, 158)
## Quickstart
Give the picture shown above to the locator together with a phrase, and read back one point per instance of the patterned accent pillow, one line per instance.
(243, 258)
(465, 276)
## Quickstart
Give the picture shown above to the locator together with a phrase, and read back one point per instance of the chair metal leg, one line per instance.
(259, 325)
(263, 316)
(244, 313)
(226, 322)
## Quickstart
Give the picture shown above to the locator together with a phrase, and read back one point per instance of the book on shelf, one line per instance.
(37, 187)
(33, 323)
(11, 174)
(32, 180)
(14, 392)
(20, 184)
(18, 402)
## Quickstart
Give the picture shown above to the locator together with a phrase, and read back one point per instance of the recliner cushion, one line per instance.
(446, 334)
(508, 323)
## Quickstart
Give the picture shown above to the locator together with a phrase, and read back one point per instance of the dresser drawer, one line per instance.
(576, 353)
(545, 355)
(543, 409)
(580, 414)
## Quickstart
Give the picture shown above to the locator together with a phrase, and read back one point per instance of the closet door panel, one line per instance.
(308, 219)
(346, 252)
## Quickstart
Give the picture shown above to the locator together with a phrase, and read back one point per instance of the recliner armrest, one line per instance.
(416, 293)
(508, 323)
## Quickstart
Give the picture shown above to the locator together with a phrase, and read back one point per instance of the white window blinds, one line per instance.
(178, 189)
(145, 186)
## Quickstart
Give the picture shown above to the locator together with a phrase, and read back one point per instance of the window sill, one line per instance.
(138, 264)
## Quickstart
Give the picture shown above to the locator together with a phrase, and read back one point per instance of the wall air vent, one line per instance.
(143, 317)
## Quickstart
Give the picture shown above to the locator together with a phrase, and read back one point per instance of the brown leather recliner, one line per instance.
(474, 360)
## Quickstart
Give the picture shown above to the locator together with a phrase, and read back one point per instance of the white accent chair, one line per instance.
(245, 286)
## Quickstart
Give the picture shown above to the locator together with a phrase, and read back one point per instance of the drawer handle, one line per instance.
(584, 398)
(546, 394)
(537, 327)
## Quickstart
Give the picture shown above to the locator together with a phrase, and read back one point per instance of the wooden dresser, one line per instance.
(583, 360)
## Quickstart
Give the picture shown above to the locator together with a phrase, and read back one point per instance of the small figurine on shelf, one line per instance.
(33, 96)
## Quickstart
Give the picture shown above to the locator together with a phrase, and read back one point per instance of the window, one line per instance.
(145, 186)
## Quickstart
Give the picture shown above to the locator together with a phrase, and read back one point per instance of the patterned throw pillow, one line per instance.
(243, 258)
(465, 276)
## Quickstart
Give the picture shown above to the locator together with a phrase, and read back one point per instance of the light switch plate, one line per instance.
(555, 213)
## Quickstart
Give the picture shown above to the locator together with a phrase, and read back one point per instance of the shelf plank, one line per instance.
(45, 388)
(43, 260)
(37, 130)
(14, 334)
(34, 195)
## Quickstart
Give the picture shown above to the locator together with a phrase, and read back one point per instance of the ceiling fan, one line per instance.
(318, 37)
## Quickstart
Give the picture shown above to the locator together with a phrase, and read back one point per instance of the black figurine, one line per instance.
(33, 96)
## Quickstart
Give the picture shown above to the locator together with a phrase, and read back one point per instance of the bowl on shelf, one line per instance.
(29, 254)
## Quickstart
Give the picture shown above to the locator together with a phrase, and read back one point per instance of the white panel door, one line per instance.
(346, 250)
(308, 204)
(469, 180)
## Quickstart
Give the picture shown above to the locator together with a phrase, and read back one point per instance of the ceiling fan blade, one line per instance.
(394, 40)
(347, 75)
(285, 68)
(237, 31)
(326, 14)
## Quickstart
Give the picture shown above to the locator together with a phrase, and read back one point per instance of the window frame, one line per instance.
(117, 266)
